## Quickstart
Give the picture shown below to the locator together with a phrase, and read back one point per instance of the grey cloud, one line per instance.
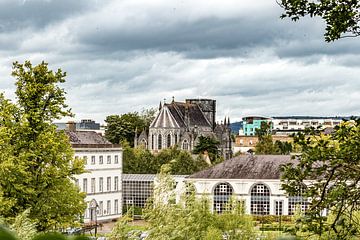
(16, 14)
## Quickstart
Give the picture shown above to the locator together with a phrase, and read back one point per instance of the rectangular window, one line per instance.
(85, 160)
(116, 206)
(116, 159)
(101, 184)
(101, 208)
(279, 208)
(85, 185)
(108, 184)
(108, 207)
(109, 159)
(116, 183)
(101, 159)
(92, 160)
(93, 185)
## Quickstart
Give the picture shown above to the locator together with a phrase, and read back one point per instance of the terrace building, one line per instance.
(102, 181)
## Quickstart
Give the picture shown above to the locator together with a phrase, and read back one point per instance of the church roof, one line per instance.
(247, 167)
(175, 114)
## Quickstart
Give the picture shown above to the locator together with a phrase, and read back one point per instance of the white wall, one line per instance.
(242, 188)
(97, 171)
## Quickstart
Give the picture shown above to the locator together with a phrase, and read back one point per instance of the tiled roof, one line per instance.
(86, 137)
(247, 167)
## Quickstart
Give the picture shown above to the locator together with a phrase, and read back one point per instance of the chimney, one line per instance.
(71, 126)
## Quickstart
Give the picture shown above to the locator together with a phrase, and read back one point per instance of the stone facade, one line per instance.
(181, 123)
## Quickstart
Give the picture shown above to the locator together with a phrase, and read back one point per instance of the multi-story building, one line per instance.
(102, 180)
(289, 125)
(83, 125)
(251, 123)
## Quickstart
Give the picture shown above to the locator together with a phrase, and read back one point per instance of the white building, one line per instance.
(288, 125)
(102, 181)
(254, 180)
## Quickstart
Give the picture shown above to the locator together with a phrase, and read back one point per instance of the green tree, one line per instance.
(207, 145)
(265, 143)
(181, 161)
(329, 168)
(123, 127)
(341, 16)
(191, 217)
(139, 160)
(283, 148)
(36, 161)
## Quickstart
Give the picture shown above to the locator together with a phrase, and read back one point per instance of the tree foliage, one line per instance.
(329, 167)
(36, 161)
(341, 16)
(191, 218)
(123, 127)
(208, 145)
(141, 160)
(266, 145)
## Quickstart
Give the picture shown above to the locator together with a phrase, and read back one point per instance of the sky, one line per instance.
(128, 55)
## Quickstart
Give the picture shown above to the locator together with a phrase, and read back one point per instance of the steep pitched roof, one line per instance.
(247, 167)
(173, 115)
(165, 119)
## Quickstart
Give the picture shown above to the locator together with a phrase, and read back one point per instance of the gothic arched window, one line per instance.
(222, 194)
(168, 140)
(159, 141)
(185, 145)
(175, 136)
(143, 142)
(260, 200)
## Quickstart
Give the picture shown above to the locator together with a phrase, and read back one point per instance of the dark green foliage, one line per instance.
(207, 145)
(332, 163)
(181, 162)
(36, 161)
(124, 127)
(140, 160)
(50, 236)
(81, 238)
(265, 143)
(5, 234)
(341, 16)
(283, 148)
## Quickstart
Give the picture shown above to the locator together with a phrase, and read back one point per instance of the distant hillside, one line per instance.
(235, 127)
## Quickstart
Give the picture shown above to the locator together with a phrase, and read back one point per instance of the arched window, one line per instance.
(159, 141)
(152, 142)
(222, 194)
(185, 145)
(168, 140)
(260, 200)
(175, 136)
(297, 201)
(143, 142)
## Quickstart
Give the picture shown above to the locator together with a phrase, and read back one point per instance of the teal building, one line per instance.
(251, 123)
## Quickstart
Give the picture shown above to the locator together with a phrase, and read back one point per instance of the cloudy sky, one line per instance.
(128, 55)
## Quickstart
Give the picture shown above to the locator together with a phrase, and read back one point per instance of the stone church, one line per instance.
(181, 123)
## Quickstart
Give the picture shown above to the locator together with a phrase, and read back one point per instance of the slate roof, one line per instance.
(246, 167)
(88, 138)
(177, 111)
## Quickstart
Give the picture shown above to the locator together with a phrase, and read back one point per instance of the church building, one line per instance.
(182, 123)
